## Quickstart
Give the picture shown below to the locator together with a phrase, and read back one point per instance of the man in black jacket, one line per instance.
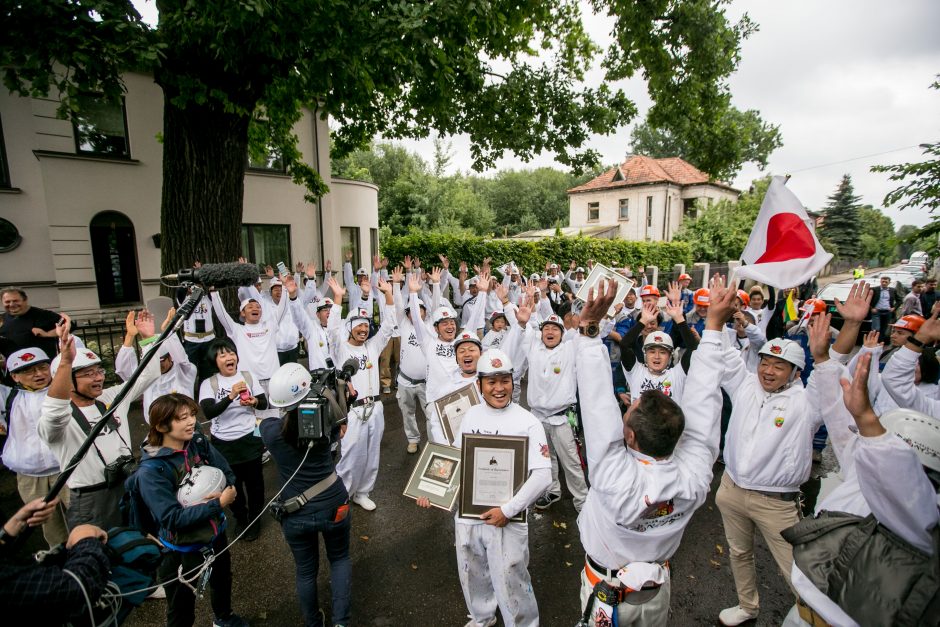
(884, 301)
(928, 297)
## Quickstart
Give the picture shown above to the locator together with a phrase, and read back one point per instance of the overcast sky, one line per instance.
(844, 79)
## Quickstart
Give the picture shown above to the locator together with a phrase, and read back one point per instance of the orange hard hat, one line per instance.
(817, 305)
(684, 277)
(909, 323)
(649, 290)
(701, 297)
(745, 298)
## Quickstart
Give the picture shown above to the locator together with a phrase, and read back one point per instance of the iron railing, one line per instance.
(104, 337)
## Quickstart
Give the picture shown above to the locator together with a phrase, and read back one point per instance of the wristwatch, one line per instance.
(591, 329)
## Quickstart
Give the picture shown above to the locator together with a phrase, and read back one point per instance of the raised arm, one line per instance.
(477, 315)
(219, 308)
(898, 375)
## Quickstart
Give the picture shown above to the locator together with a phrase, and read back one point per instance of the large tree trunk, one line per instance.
(204, 154)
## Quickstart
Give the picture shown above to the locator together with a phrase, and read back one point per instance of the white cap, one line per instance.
(444, 313)
(83, 359)
(579, 269)
(288, 385)
(26, 357)
(658, 338)
(467, 336)
(492, 362)
(323, 304)
(361, 272)
(245, 302)
(553, 319)
(787, 350)
(920, 431)
(275, 281)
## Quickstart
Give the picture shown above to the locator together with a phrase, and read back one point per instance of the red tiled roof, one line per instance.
(640, 170)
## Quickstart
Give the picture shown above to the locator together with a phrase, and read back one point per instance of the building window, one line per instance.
(101, 127)
(269, 159)
(349, 241)
(374, 241)
(649, 212)
(266, 244)
(4, 166)
(689, 209)
(624, 209)
(9, 236)
(114, 255)
(594, 212)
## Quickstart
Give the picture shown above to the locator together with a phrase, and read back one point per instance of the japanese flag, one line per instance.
(782, 250)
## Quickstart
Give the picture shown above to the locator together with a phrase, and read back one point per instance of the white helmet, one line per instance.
(535, 277)
(578, 270)
(444, 313)
(288, 385)
(553, 319)
(357, 317)
(920, 431)
(787, 350)
(199, 483)
(493, 362)
(467, 336)
(323, 304)
(660, 339)
(420, 304)
(26, 357)
(83, 359)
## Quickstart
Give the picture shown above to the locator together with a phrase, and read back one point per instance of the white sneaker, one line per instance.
(159, 593)
(412, 447)
(735, 616)
(488, 623)
(363, 501)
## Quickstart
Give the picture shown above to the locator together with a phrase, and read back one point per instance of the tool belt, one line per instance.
(188, 334)
(409, 379)
(598, 576)
(781, 496)
(809, 615)
(367, 400)
(279, 509)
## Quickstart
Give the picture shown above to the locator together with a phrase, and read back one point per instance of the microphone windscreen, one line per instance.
(227, 274)
(349, 368)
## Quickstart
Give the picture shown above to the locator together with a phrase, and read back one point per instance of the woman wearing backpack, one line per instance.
(229, 399)
(313, 503)
(172, 450)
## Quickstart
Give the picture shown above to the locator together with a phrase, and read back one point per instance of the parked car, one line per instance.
(901, 281)
(840, 290)
(919, 257)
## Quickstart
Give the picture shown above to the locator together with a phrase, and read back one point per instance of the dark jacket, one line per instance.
(893, 299)
(159, 482)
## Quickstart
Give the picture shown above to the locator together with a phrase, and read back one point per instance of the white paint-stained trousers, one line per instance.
(653, 613)
(410, 397)
(359, 462)
(564, 451)
(493, 567)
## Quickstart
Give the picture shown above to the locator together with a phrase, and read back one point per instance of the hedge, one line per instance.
(532, 256)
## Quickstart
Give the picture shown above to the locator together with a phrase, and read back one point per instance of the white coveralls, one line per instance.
(493, 561)
(873, 468)
(638, 507)
(358, 466)
(412, 373)
(179, 379)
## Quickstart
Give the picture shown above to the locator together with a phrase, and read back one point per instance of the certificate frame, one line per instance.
(599, 273)
(436, 476)
(474, 446)
(452, 407)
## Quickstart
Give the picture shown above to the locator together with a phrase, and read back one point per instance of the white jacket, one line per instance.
(553, 381)
(256, 343)
(24, 452)
(898, 380)
(180, 379)
(638, 507)
(769, 441)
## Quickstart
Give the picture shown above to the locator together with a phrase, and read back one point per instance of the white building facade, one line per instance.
(80, 203)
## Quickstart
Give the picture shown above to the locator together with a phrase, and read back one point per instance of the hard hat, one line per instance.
(444, 313)
(26, 357)
(472, 281)
(275, 281)
(356, 317)
(245, 302)
(649, 290)
(554, 279)
(920, 431)
(420, 304)
(701, 297)
(684, 277)
(361, 272)
(498, 314)
(493, 362)
(199, 483)
(467, 336)
(553, 266)
(744, 297)
(83, 359)
(910, 323)
(814, 305)
(288, 385)
(535, 277)
(579, 269)
(660, 339)
(553, 319)
(787, 350)
(325, 303)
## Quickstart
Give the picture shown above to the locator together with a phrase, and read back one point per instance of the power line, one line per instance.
(877, 154)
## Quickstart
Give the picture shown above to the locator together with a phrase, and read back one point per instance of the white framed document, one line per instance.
(452, 407)
(600, 273)
(436, 476)
(494, 468)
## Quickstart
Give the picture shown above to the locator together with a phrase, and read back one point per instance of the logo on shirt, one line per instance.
(778, 421)
(444, 350)
(544, 451)
(664, 386)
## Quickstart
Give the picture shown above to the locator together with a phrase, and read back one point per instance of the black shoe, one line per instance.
(252, 533)
(545, 501)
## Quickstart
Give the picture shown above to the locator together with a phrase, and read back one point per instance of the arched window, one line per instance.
(114, 253)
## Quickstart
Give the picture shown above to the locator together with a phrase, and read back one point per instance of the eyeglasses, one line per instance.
(92, 374)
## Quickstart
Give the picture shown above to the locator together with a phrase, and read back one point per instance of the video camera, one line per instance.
(325, 403)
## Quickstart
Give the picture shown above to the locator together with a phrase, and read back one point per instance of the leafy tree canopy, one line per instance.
(737, 137)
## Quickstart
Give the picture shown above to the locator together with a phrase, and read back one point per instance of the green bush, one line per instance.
(532, 256)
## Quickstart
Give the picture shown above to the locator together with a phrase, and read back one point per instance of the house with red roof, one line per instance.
(643, 199)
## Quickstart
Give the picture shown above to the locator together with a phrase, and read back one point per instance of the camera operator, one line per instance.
(76, 401)
(51, 594)
(315, 502)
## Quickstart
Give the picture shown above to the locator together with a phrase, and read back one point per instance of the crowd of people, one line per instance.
(634, 399)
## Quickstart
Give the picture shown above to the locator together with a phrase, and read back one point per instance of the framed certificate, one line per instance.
(451, 408)
(494, 468)
(600, 273)
(436, 476)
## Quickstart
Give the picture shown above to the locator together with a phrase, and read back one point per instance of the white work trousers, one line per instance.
(410, 397)
(653, 613)
(359, 464)
(493, 566)
(564, 451)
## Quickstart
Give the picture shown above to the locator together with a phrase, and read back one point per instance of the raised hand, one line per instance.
(502, 292)
(445, 262)
(66, 341)
(414, 283)
(483, 283)
(929, 331)
(169, 318)
(524, 313)
(311, 270)
(435, 275)
(674, 304)
(197, 264)
(819, 337)
(721, 303)
(338, 290)
(329, 266)
(857, 304)
(348, 256)
(855, 396)
(398, 274)
(290, 284)
(600, 298)
(130, 328)
(408, 264)
(543, 284)
(145, 323)
(240, 260)
(299, 266)
(269, 272)
(649, 313)
(572, 265)
(463, 268)
(384, 286)
(872, 339)
(417, 262)
(376, 263)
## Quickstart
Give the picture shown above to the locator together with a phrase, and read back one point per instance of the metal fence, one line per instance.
(104, 337)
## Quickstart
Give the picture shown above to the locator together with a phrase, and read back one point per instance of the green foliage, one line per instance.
(720, 231)
(532, 256)
(877, 235)
(841, 225)
(741, 136)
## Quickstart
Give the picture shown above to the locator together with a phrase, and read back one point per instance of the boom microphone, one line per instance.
(218, 275)
(349, 369)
